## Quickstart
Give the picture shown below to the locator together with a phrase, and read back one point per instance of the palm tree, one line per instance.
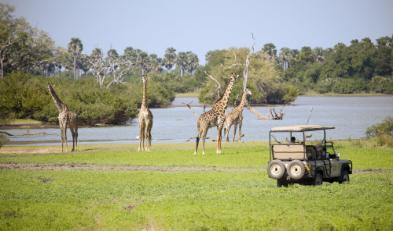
(75, 48)
(169, 58)
(181, 62)
(192, 62)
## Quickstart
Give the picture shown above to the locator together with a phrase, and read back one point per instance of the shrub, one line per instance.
(26, 96)
(382, 131)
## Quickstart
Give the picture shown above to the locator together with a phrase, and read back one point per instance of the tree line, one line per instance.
(27, 49)
(361, 66)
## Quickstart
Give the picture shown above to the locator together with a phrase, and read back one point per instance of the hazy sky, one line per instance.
(203, 25)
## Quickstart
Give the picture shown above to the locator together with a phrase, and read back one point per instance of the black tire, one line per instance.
(282, 182)
(318, 178)
(276, 169)
(296, 170)
(344, 177)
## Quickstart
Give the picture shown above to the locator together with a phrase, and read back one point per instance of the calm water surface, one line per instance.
(350, 115)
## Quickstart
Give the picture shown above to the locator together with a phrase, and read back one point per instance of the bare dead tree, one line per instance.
(98, 68)
(218, 88)
(259, 115)
(118, 67)
(247, 64)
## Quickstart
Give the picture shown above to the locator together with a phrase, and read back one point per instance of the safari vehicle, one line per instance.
(297, 157)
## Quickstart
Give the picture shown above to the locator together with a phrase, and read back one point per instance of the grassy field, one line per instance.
(187, 192)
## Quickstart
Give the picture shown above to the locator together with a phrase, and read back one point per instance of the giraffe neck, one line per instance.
(224, 99)
(144, 93)
(243, 101)
(56, 99)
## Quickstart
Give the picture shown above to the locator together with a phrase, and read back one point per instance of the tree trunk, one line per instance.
(75, 68)
(1, 68)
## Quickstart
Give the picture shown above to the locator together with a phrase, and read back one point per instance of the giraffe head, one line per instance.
(247, 91)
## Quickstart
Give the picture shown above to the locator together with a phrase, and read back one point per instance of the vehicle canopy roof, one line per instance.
(300, 128)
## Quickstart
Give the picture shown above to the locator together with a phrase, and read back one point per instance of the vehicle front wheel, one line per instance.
(344, 178)
(318, 178)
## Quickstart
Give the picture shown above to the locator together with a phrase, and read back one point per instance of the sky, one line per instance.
(203, 25)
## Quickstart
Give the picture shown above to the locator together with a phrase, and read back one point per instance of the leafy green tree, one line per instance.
(263, 77)
(270, 49)
(384, 58)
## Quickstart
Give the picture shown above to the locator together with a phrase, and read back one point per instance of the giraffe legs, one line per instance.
(226, 132)
(201, 135)
(74, 133)
(62, 138)
(240, 130)
(234, 132)
(148, 135)
(219, 139)
(141, 137)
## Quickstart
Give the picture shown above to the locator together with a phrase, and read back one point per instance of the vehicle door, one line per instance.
(334, 161)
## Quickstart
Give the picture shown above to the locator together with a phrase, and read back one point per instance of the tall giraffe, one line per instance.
(145, 120)
(235, 117)
(66, 119)
(214, 117)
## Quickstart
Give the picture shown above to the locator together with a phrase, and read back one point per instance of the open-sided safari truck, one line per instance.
(301, 154)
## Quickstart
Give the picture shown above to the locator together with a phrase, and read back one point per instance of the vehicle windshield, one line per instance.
(311, 137)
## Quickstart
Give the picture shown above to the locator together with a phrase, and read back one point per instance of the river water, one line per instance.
(350, 115)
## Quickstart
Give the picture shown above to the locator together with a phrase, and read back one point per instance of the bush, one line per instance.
(382, 131)
(381, 84)
(341, 86)
(384, 128)
(27, 96)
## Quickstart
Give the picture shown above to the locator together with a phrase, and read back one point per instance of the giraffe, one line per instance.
(235, 117)
(145, 120)
(66, 119)
(214, 117)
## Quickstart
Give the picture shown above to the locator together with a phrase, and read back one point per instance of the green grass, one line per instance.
(210, 200)
(253, 154)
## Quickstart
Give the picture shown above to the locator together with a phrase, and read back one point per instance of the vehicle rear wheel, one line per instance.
(276, 169)
(344, 178)
(282, 182)
(296, 170)
(318, 178)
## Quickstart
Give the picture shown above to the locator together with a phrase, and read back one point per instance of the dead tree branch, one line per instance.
(259, 115)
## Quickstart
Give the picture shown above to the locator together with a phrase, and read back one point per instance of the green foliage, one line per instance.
(385, 127)
(359, 67)
(26, 96)
(382, 131)
(263, 77)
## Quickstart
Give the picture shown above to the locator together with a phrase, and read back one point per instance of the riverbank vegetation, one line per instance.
(26, 96)
(171, 189)
(382, 132)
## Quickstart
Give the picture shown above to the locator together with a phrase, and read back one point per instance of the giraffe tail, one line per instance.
(197, 138)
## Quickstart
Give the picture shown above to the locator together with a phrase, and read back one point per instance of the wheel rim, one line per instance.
(276, 170)
(295, 171)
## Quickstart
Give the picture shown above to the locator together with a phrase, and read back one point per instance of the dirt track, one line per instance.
(94, 167)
